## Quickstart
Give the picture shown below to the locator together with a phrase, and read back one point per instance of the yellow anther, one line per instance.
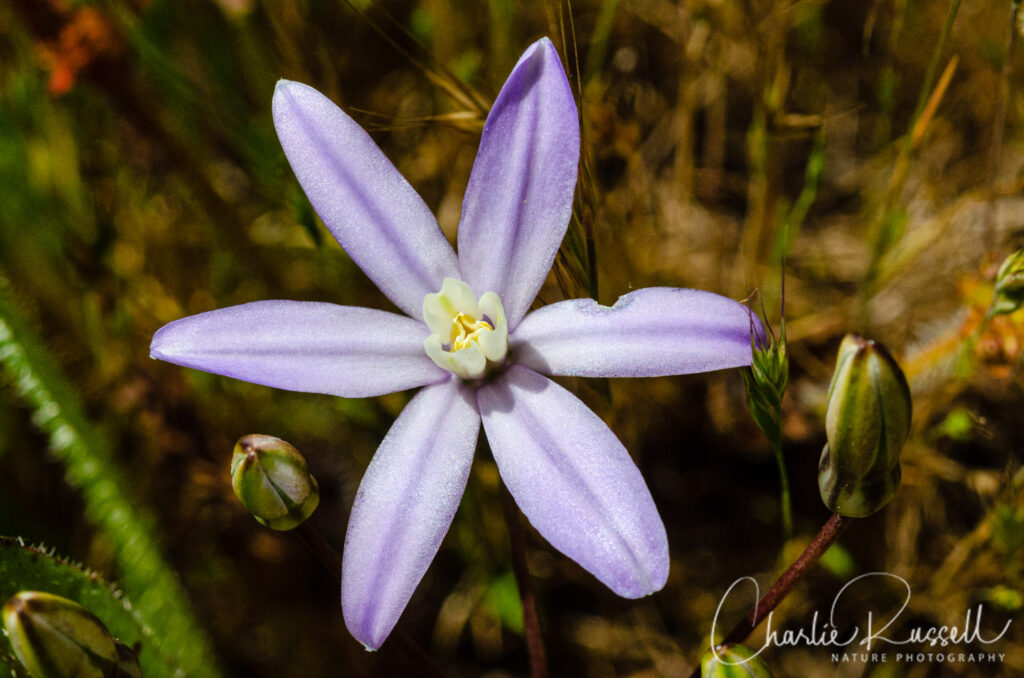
(461, 340)
(466, 329)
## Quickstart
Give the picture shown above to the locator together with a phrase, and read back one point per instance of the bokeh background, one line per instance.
(874, 145)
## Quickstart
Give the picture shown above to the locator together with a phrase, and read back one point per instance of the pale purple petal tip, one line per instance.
(405, 504)
(303, 346)
(651, 332)
(574, 481)
(519, 198)
(368, 206)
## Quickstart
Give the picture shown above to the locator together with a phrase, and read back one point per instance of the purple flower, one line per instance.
(478, 358)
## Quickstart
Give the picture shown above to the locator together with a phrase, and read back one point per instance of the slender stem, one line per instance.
(785, 498)
(999, 124)
(829, 533)
(827, 536)
(884, 229)
(965, 354)
(531, 622)
(321, 550)
(331, 561)
(933, 64)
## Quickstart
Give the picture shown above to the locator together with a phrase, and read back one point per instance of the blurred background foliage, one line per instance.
(876, 145)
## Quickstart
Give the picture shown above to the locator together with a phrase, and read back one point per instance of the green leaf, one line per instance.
(958, 425)
(27, 568)
(733, 661)
(1008, 529)
(839, 561)
(502, 597)
(1006, 598)
(160, 601)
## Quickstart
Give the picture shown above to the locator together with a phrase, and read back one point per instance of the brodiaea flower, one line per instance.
(470, 344)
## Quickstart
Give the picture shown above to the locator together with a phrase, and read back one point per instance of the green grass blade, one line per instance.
(27, 568)
(152, 585)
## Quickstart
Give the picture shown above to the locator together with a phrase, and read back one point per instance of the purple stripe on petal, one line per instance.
(368, 206)
(575, 481)
(303, 346)
(651, 332)
(404, 506)
(519, 198)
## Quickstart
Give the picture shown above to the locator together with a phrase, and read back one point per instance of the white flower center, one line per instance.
(469, 336)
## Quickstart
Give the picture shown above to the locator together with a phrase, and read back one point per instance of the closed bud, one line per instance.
(54, 637)
(732, 661)
(127, 661)
(271, 480)
(766, 380)
(1009, 292)
(867, 423)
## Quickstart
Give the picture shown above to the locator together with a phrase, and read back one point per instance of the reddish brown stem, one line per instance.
(531, 622)
(829, 533)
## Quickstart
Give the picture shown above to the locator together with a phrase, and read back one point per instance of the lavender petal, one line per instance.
(651, 332)
(303, 346)
(368, 206)
(404, 506)
(574, 481)
(519, 198)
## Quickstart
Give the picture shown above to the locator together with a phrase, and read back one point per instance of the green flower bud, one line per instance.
(867, 422)
(54, 637)
(732, 661)
(766, 380)
(1009, 292)
(271, 480)
(127, 661)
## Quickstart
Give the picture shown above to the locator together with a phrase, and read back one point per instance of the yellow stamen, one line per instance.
(465, 330)
(461, 340)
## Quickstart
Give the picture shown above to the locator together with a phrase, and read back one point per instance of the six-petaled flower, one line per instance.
(468, 340)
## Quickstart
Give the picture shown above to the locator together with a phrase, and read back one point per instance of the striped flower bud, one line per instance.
(54, 637)
(1009, 291)
(867, 423)
(270, 478)
(127, 661)
(732, 661)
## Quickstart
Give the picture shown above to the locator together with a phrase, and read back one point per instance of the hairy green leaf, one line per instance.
(28, 568)
(159, 598)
